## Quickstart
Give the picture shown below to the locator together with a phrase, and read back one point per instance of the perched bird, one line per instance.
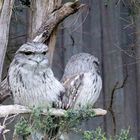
(82, 81)
(30, 78)
(31, 81)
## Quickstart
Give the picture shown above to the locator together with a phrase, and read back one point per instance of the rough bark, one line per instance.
(55, 14)
(5, 16)
(41, 11)
(51, 21)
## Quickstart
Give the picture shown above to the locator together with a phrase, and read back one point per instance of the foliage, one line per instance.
(133, 7)
(94, 135)
(49, 125)
(75, 117)
(124, 135)
(99, 135)
(43, 122)
(22, 128)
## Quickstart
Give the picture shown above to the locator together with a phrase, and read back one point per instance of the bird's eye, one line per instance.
(28, 53)
(96, 63)
(44, 53)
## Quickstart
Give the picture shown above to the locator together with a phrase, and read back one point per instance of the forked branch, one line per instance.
(55, 18)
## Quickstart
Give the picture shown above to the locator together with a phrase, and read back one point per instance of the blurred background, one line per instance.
(110, 30)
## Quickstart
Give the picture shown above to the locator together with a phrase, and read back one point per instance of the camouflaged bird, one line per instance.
(82, 81)
(30, 78)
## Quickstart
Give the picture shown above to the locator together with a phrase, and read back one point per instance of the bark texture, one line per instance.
(5, 16)
(55, 13)
(39, 16)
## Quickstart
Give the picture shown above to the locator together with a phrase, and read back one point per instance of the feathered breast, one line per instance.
(32, 88)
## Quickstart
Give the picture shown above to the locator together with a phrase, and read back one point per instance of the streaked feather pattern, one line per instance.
(82, 81)
(31, 79)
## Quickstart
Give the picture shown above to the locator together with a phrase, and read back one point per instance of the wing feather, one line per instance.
(72, 85)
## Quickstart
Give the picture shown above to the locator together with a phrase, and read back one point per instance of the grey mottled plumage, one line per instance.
(82, 81)
(31, 79)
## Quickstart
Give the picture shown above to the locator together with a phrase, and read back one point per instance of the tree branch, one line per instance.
(6, 110)
(54, 19)
(14, 110)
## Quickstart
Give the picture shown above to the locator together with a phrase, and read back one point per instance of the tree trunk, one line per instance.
(5, 16)
(39, 12)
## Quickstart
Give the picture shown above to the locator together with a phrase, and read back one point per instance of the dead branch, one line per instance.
(3, 129)
(54, 19)
(6, 110)
(47, 31)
